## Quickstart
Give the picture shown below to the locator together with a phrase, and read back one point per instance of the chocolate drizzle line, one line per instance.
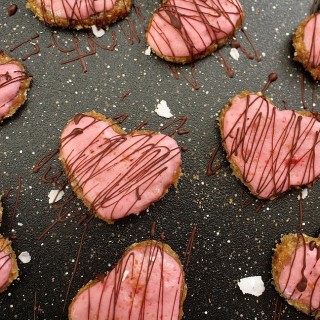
(255, 50)
(271, 78)
(189, 247)
(210, 170)
(226, 65)
(238, 45)
(35, 36)
(177, 124)
(192, 80)
(315, 7)
(313, 60)
(76, 263)
(36, 307)
(278, 309)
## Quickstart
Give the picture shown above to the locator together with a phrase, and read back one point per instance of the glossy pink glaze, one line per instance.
(291, 275)
(5, 267)
(201, 24)
(147, 283)
(120, 174)
(312, 40)
(10, 82)
(76, 9)
(275, 151)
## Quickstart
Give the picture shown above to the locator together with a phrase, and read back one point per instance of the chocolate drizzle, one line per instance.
(12, 9)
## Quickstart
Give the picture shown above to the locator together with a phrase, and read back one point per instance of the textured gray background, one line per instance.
(232, 241)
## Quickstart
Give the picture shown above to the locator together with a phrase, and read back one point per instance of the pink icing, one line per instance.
(10, 80)
(119, 174)
(5, 268)
(273, 149)
(146, 284)
(76, 9)
(304, 263)
(312, 40)
(192, 26)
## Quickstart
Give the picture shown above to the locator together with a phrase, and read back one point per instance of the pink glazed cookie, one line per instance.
(306, 42)
(296, 272)
(8, 264)
(270, 150)
(116, 174)
(183, 31)
(147, 283)
(79, 14)
(14, 84)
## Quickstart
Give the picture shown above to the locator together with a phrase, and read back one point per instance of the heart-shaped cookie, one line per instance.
(306, 42)
(79, 14)
(270, 150)
(8, 264)
(14, 84)
(182, 31)
(147, 283)
(296, 272)
(114, 173)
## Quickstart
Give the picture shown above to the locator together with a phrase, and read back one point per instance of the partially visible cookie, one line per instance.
(183, 31)
(147, 283)
(14, 84)
(79, 14)
(296, 272)
(8, 264)
(306, 42)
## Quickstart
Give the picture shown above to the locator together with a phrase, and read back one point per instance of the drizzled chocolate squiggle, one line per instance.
(296, 272)
(79, 14)
(186, 30)
(270, 150)
(114, 173)
(146, 284)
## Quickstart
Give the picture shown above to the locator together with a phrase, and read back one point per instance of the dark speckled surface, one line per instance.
(233, 241)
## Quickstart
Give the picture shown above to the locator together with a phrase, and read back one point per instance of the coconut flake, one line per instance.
(163, 110)
(303, 194)
(24, 257)
(97, 32)
(55, 195)
(234, 53)
(147, 51)
(252, 285)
